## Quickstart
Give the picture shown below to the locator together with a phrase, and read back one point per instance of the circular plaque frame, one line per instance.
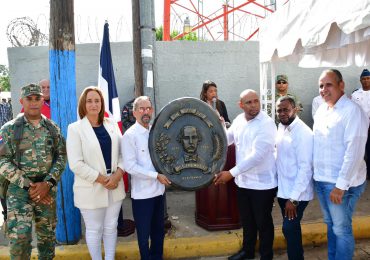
(188, 143)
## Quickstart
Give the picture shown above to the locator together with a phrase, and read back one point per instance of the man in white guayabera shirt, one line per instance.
(147, 185)
(254, 133)
(340, 133)
(294, 146)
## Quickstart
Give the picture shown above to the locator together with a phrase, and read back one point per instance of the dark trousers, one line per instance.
(120, 220)
(292, 230)
(148, 216)
(255, 208)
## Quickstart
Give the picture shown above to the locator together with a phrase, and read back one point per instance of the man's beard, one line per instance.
(290, 120)
(146, 119)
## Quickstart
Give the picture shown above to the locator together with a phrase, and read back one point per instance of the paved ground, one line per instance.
(181, 208)
(313, 253)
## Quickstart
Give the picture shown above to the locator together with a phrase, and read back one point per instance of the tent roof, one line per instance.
(317, 33)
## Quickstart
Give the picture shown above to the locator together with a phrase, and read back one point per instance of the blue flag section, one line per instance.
(107, 82)
(63, 112)
(106, 66)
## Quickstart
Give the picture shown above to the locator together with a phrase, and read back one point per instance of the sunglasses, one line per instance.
(281, 82)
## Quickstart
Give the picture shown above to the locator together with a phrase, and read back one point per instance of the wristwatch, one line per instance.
(294, 202)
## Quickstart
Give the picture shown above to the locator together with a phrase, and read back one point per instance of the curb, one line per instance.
(212, 245)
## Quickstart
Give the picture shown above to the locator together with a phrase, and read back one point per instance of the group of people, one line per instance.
(33, 155)
(289, 162)
(328, 159)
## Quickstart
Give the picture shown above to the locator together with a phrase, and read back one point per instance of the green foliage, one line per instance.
(4, 78)
(4, 71)
(159, 33)
(192, 36)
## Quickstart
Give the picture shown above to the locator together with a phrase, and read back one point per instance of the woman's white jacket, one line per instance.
(86, 161)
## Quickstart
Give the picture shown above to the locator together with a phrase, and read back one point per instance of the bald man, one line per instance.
(45, 88)
(253, 132)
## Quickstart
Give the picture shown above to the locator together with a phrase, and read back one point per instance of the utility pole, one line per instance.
(146, 25)
(136, 44)
(143, 22)
(62, 59)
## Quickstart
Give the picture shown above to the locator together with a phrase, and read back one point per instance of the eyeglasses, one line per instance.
(281, 82)
(145, 109)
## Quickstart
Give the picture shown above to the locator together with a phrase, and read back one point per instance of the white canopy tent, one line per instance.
(314, 33)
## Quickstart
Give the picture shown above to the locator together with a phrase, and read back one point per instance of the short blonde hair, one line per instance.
(82, 103)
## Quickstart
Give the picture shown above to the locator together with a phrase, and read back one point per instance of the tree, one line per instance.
(192, 36)
(4, 78)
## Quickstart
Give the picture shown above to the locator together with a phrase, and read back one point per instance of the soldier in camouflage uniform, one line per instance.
(33, 167)
(281, 90)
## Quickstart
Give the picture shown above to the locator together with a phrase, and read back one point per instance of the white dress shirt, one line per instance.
(316, 102)
(294, 161)
(137, 162)
(340, 135)
(362, 98)
(254, 148)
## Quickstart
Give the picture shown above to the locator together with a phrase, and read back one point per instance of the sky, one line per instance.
(89, 19)
(91, 14)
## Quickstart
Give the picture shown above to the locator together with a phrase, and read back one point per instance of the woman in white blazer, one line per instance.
(93, 149)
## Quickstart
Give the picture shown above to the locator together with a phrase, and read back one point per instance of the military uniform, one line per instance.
(42, 157)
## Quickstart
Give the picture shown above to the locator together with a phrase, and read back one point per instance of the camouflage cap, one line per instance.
(282, 77)
(31, 89)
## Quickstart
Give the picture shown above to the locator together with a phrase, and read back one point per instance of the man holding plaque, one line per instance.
(147, 185)
(253, 133)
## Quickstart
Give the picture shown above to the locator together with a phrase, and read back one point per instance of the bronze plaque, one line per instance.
(187, 143)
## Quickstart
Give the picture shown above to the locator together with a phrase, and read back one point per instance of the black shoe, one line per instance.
(127, 229)
(241, 255)
(167, 225)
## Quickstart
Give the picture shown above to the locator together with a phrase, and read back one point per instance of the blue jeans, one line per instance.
(338, 218)
(292, 230)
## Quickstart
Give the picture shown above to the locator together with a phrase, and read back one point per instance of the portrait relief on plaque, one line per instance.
(187, 143)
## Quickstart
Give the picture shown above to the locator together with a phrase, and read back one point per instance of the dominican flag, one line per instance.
(107, 82)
